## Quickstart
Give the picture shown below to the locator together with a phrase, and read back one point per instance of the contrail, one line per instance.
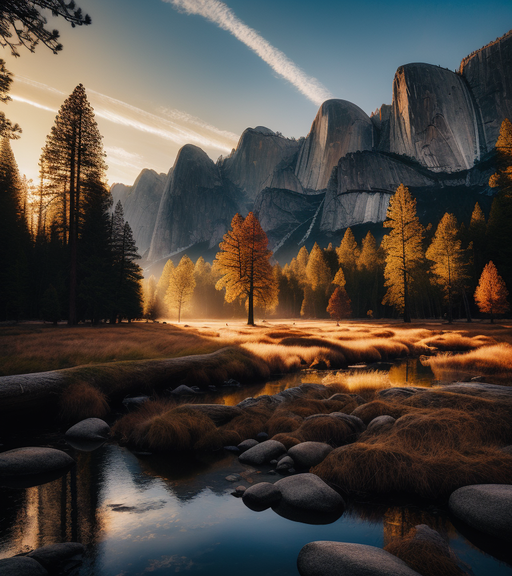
(32, 103)
(223, 16)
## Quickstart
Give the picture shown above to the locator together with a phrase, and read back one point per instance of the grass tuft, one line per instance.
(82, 400)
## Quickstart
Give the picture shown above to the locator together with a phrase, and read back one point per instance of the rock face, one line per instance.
(487, 72)
(140, 204)
(196, 206)
(339, 128)
(256, 158)
(433, 118)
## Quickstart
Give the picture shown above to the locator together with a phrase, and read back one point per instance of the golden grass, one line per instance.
(493, 362)
(360, 380)
(80, 401)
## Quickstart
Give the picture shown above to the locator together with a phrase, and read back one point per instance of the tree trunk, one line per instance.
(250, 318)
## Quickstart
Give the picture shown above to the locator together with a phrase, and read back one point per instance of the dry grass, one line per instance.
(367, 412)
(423, 556)
(80, 401)
(358, 381)
(494, 363)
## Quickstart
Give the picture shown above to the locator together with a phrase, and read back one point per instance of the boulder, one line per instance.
(219, 413)
(134, 402)
(261, 496)
(285, 464)
(480, 389)
(21, 566)
(33, 460)
(54, 555)
(262, 453)
(246, 444)
(183, 390)
(485, 507)
(89, 429)
(380, 424)
(343, 559)
(261, 436)
(308, 454)
(354, 421)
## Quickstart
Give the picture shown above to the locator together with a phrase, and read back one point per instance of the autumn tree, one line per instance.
(149, 298)
(348, 251)
(448, 257)
(181, 286)
(244, 262)
(161, 308)
(491, 292)
(339, 304)
(22, 23)
(403, 248)
(73, 165)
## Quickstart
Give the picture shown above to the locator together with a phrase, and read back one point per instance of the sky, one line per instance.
(163, 73)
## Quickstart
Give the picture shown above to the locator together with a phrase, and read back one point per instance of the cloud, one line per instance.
(225, 18)
(121, 157)
(17, 98)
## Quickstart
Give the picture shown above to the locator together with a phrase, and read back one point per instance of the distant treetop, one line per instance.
(23, 24)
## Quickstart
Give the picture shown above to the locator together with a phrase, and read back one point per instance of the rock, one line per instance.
(239, 490)
(433, 118)
(339, 128)
(54, 555)
(233, 478)
(342, 559)
(183, 390)
(231, 383)
(134, 402)
(89, 429)
(261, 436)
(21, 566)
(400, 392)
(233, 449)
(32, 460)
(354, 421)
(507, 450)
(480, 389)
(261, 496)
(486, 507)
(140, 204)
(262, 453)
(308, 454)
(246, 444)
(285, 464)
(219, 413)
(380, 424)
(307, 498)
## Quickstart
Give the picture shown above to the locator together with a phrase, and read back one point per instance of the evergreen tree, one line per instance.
(181, 286)
(339, 278)
(403, 248)
(318, 275)
(370, 274)
(347, 251)
(339, 304)
(243, 261)
(491, 293)
(449, 259)
(7, 128)
(72, 163)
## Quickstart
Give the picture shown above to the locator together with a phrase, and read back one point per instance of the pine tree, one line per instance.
(450, 266)
(339, 304)
(318, 276)
(181, 286)
(243, 261)
(339, 278)
(491, 293)
(370, 274)
(403, 248)
(73, 165)
(348, 251)
(7, 128)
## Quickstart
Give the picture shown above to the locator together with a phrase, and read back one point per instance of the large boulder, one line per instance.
(264, 452)
(89, 429)
(342, 559)
(485, 507)
(33, 460)
(21, 566)
(308, 454)
(261, 496)
(380, 424)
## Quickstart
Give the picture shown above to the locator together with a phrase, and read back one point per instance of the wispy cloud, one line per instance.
(189, 119)
(121, 157)
(224, 17)
(17, 98)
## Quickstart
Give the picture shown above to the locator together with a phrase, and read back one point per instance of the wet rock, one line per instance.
(262, 453)
(33, 460)
(308, 454)
(485, 507)
(21, 566)
(380, 424)
(183, 390)
(480, 389)
(219, 413)
(246, 444)
(239, 491)
(91, 429)
(233, 478)
(285, 464)
(53, 556)
(342, 559)
(261, 496)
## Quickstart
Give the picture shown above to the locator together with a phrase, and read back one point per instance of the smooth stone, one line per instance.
(262, 453)
(53, 555)
(285, 464)
(485, 507)
(233, 478)
(239, 490)
(308, 454)
(233, 449)
(343, 559)
(183, 390)
(246, 444)
(89, 429)
(85, 445)
(231, 383)
(261, 436)
(354, 421)
(21, 566)
(380, 424)
(33, 460)
(219, 413)
(261, 496)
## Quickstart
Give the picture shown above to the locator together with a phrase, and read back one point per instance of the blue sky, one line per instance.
(160, 77)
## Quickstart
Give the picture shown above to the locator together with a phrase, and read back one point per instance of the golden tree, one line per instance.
(369, 256)
(339, 304)
(448, 257)
(491, 292)
(161, 308)
(181, 286)
(348, 251)
(244, 262)
(339, 278)
(403, 249)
